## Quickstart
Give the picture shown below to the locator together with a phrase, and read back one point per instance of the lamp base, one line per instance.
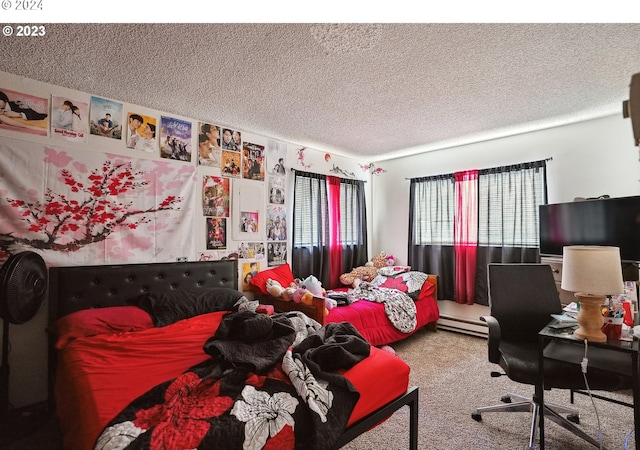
(590, 318)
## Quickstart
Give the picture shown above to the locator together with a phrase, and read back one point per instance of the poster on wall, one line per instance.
(230, 164)
(251, 250)
(24, 112)
(231, 140)
(276, 223)
(253, 161)
(216, 233)
(249, 221)
(217, 255)
(69, 119)
(249, 270)
(276, 190)
(248, 213)
(175, 139)
(215, 196)
(276, 253)
(105, 118)
(141, 133)
(276, 154)
(76, 207)
(209, 153)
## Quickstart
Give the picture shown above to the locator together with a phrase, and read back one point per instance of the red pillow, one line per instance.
(90, 322)
(281, 274)
(428, 289)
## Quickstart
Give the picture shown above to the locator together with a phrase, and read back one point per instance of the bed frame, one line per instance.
(76, 288)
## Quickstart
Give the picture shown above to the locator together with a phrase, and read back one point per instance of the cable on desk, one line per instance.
(584, 364)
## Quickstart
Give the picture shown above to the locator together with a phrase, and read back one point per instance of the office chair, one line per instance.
(521, 299)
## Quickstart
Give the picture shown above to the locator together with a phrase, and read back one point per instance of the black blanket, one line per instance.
(255, 392)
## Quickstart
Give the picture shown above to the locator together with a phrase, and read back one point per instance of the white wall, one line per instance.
(589, 159)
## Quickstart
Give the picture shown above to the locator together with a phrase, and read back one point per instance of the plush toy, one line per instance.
(299, 293)
(274, 288)
(390, 260)
(364, 273)
(288, 292)
(313, 285)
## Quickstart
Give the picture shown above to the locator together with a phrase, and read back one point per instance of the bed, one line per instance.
(370, 318)
(120, 332)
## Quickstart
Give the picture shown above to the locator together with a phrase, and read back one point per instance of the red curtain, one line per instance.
(465, 231)
(335, 245)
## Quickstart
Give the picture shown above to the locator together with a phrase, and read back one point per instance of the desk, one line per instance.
(619, 357)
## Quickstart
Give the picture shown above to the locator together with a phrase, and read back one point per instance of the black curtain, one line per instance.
(431, 214)
(353, 224)
(310, 253)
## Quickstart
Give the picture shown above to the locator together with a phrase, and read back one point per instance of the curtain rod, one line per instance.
(509, 165)
(342, 178)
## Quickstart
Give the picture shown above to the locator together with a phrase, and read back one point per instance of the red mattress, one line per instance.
(98, 376)
(370, 319)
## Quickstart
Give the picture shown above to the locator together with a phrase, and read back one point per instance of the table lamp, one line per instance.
(592, 273)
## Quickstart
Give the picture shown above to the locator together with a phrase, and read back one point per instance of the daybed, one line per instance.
(370, 318)
(133, 352)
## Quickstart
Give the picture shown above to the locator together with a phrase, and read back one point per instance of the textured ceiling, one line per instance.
(369, 91)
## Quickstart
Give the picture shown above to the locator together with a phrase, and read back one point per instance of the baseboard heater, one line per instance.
(462, 325)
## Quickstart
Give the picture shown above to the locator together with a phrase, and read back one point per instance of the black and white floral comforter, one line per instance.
(270, 384)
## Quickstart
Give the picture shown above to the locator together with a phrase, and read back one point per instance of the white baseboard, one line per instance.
(462, 318)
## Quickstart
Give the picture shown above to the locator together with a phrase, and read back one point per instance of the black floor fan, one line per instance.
(23, 286)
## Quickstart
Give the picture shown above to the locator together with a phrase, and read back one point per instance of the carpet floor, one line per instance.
(452, 373)
(453, 376)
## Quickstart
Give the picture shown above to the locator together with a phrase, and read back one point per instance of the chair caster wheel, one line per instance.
(506, 399)
(575, 418)
(476, 416)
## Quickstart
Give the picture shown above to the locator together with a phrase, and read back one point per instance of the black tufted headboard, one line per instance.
(75, 288)
(82, 287)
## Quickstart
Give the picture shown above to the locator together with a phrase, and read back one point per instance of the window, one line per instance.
(313, 251)
(503, 229)
(310, 213)
(432, 210)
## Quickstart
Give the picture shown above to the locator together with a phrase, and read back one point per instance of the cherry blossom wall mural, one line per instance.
(79, 207)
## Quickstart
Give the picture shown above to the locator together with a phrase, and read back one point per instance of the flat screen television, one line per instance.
(610, 222)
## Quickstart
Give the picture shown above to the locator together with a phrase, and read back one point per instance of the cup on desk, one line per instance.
(613, 327)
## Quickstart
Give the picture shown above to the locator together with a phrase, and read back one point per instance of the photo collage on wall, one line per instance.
(276, 212)
(260, 225)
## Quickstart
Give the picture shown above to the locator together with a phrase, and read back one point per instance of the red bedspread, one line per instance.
(371, 321)
(98, 376)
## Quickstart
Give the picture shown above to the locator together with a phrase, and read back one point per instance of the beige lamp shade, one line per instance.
(593, 270)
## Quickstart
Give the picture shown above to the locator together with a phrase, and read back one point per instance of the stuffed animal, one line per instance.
(364, 273)
(314, 286)
(301, 291)
(390, 260)
(274, 288)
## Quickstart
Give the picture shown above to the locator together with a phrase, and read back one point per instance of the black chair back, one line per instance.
(522, 297)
